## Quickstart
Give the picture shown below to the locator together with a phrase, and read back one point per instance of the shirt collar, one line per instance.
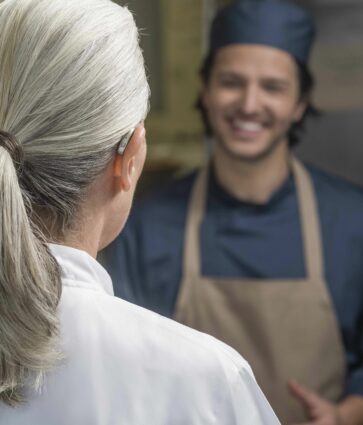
(221, 195)
(80, 267)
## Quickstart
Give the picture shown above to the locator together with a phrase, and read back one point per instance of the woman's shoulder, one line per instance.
(126, 364)
(120, 325)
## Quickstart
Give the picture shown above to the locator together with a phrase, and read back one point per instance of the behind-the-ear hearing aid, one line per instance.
(124, 141)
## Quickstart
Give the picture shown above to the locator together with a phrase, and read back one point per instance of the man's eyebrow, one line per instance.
(270, 79)
(279, 80)
(228, 73)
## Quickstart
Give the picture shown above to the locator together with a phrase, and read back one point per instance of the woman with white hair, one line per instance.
(73, 97)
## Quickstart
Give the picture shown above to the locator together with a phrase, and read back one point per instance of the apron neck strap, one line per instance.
(195, 213)
(310, 226)
(310, 223)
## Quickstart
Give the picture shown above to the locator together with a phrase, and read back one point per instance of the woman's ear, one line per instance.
(125, 165)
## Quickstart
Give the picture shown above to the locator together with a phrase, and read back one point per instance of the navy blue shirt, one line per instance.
(241, 239)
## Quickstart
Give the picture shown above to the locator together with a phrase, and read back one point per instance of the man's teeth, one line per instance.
(247, 126)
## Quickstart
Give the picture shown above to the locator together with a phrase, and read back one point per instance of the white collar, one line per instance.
(80, 268)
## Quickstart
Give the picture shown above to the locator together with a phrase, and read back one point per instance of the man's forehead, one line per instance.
(264, 60)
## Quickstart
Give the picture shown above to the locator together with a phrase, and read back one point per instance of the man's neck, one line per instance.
(252, 181)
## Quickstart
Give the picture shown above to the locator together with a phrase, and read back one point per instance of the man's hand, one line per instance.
(319, 410)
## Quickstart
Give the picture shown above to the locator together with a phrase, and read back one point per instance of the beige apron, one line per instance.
(284, 328)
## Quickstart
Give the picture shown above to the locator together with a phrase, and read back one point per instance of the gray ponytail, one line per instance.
(29, 292)
(72, 82)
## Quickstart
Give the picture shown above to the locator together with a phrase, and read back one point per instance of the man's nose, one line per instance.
(250, 100)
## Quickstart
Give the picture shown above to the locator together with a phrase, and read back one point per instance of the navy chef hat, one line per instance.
(272, 23)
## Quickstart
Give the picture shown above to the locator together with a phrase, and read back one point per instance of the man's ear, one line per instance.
(124, 164)
(300, 109)
(204, 95)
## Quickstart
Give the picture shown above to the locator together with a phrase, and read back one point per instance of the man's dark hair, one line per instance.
(306, 82)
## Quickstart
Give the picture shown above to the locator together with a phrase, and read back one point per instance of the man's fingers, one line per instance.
(310, 399)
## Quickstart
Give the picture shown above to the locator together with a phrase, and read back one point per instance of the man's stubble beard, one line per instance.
(254, 159)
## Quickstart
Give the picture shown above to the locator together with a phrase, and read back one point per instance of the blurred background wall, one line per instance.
(335, 141)
(174, 38)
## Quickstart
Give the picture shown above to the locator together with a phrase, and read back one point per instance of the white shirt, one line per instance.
(126, 365)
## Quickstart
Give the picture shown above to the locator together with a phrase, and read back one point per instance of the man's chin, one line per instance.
(250, 152)
(247, 155)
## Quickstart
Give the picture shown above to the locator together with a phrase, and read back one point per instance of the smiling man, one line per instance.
(257, 248)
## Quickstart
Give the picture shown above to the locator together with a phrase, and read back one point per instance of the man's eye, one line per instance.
(274, 87)
(230, 83)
